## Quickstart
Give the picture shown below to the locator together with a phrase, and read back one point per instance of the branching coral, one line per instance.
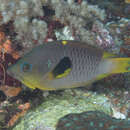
(78, 16)
(80, 20)
(103, 37)
(21, 12)
(8, 55)
(11, 9)
(31, 24)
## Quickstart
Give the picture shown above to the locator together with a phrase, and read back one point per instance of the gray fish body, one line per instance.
(86, 63)
(81, 71)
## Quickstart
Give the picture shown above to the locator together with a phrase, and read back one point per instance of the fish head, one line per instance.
(31, 67)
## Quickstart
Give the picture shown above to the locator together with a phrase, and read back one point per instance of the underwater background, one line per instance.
(102, 105)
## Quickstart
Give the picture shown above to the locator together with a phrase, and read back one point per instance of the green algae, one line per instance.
(54, 107)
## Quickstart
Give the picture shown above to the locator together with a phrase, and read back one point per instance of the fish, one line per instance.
(66, 64)
(91, 120)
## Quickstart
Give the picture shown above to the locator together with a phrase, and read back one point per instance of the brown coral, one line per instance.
(24, 108)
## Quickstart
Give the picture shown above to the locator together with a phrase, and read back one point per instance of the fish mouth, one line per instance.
(28, 84)
(20, 78)
(10, 73)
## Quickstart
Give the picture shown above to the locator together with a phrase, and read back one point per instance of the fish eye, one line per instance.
(26, 67)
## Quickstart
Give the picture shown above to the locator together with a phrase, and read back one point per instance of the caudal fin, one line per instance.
(120, 65)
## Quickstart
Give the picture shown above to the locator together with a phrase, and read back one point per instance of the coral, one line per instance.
(12, 9)
(34, 21)
(31, 22)
(29, 33)
(21, 12)
(120, 33)
(103, 37)
(91, 120)
(115, 9)
(58, 105)
(6, 47)
(65, 34)
(8, 55)
(77, 17)
(24, 108)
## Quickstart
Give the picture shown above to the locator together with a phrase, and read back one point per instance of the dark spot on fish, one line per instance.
(62, 66)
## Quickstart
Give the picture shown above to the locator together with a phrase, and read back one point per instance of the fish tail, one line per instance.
(120, 65)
